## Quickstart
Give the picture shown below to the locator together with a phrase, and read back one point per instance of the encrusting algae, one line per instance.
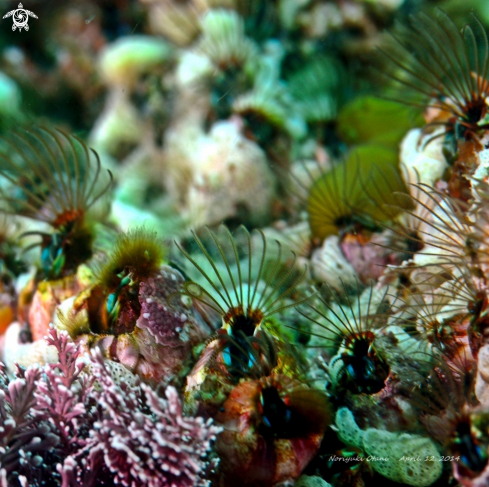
(225, 262)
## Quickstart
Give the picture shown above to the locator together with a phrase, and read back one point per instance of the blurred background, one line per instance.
(196, 105)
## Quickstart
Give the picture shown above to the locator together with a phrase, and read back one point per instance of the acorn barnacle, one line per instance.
(127, 314)
(281, 424)
(349, 322)
(442, 67)
(434, 65)
(244, 284)
(243, 289)
(354, 196)
(55, 178)
(450, 413)
(113, 305)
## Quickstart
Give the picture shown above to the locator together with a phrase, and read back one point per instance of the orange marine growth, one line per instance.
(272, 429)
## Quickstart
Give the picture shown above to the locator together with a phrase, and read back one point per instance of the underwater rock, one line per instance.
(394, 452)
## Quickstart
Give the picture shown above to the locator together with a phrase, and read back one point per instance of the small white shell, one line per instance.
(328, 264)
(26, 354)
(425, 159)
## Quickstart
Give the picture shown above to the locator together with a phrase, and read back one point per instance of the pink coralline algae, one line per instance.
(23, 437)
(157, 316)
(91, 429)
(165, 330)
(145, 439)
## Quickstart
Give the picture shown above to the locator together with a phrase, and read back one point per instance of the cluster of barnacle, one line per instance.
(360, 332)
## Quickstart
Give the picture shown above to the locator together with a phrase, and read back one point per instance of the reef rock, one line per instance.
(401, 457)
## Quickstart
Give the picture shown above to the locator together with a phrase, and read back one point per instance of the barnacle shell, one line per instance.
(207, 388)
(424, 162)
(123, 61)
(482, 380)
(367, 258)
(244, 451)
(158, 345)
(215, 174)
(25, 354)
(328, 264)
(48, 295)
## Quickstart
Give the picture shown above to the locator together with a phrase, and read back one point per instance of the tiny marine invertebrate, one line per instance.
(126, 312)
(451, 416)
(354, 196)
(443, 229)
(314, 89)
(232, 55)
(445, 70)
(351, 326)
(55, 178)
(265, 114)
(243, 295)
(272, 429)
(243, 286)
(136, 257)
(247, 357)
(431, 318)
(454, 315)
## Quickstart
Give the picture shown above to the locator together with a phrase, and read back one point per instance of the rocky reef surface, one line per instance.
(245, 243)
